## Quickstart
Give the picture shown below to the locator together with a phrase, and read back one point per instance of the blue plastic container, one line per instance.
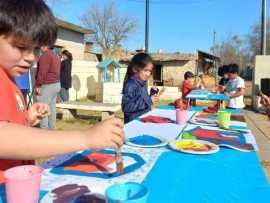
(127, 193)
(23, 82)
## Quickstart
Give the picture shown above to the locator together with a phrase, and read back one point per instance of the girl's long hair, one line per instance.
(137, 63)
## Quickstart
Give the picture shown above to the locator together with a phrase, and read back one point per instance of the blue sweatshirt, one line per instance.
(135, 100)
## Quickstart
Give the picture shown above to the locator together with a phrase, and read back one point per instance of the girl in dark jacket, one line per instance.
(65, 75)
(136, 100)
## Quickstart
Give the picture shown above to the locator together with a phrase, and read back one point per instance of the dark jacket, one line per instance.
(135, 100)
(65, 74)
(48, 69)
(223, 81)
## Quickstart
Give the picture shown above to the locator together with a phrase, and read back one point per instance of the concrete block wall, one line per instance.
(112, 93)
(75, 48)
(84, 79)
(173, 72)
(262, 70)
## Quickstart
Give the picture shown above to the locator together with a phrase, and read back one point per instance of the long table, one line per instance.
(171, 177)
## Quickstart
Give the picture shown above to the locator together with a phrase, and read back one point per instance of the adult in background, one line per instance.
(265, 101)
(48, 84)
(65, 75)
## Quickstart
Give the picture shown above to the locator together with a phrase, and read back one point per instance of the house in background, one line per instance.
(170, 67)
(72, 38)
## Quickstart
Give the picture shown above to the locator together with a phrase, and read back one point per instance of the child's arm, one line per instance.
(20, 142)
(133, 101)
(43, 69)
(239, 92)
(265, 101)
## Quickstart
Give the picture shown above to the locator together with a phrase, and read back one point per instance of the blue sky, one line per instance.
(176, 25)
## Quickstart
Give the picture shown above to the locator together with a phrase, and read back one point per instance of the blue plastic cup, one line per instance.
(127, 193)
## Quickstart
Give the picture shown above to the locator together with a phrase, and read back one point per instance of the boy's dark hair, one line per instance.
(28, 21)
(223, 70)
(188, 75)
(138, 62)
(233, 68)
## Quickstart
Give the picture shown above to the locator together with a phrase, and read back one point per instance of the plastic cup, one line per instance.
(224, 118)
(23, 184)
(181, 116)
(127, 193)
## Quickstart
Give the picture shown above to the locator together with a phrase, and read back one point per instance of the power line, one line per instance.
(174, 2)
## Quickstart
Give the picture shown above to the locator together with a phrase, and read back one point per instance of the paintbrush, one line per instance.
(119, 161)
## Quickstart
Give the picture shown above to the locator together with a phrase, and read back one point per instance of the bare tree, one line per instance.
(109, 27)
(254, 39)
(234, 50)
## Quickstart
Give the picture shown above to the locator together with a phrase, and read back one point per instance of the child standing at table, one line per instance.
(187, 85)
(25, 26)
(235, 88)
(223, 73)
(136, 101)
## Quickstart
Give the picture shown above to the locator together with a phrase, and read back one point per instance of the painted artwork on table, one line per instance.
(98, 164)
(211, 119)
(213, 116)
(232, 139)
(97, 169)
(72, 193)
(156, 119)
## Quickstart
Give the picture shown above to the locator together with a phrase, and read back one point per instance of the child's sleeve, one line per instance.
(5, 104)
(241, 83)
(186, 89)
(133, 101)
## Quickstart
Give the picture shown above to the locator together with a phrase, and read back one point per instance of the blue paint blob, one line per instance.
(145, 140)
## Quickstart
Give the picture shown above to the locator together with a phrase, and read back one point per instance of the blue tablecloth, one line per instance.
(227, 176)
(198, 108)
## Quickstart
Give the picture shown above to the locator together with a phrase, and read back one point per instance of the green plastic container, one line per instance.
(224, 119)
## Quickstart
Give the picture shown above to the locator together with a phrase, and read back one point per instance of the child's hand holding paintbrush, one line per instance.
(118, 157)
(155, 96)
(119, 161)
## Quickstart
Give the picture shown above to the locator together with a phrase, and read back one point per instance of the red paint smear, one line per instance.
(203, 115)
(2, 179)
(212, 134)
(92, 163)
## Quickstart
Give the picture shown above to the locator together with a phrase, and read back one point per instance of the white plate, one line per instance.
(163, 143)
(215, 148)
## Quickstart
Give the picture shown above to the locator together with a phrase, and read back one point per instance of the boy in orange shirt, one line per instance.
(25, 26)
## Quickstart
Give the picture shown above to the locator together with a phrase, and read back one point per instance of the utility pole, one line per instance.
(263, 28)
(146, 44)
(214, 53)
(214, 43)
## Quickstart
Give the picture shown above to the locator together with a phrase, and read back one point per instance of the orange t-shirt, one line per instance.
(13, 110)
(187, 87)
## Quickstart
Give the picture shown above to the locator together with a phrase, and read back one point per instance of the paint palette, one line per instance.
(146, 141)
(194, 146)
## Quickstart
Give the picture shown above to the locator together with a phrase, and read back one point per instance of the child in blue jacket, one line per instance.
(136, 100)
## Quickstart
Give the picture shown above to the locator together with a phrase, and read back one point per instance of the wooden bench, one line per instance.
(69, 109)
